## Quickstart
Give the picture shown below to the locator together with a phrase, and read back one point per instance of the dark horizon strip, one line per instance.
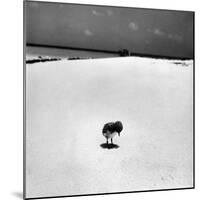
(41, 60)
(111, 52)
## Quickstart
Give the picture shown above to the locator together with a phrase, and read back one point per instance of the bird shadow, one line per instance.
(109, 146)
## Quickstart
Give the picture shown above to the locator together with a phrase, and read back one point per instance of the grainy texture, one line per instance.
(68, 102)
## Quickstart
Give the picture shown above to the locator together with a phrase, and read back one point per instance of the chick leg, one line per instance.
(111, 141)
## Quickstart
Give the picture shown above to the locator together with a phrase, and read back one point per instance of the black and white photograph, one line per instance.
(109, 99)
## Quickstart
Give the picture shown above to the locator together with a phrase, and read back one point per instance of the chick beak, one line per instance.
(119, 134)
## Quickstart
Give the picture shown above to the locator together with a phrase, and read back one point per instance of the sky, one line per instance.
(145, 31)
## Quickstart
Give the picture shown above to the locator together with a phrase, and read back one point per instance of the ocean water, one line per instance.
(34, 52)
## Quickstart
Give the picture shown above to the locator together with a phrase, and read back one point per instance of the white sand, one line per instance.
(68, 102)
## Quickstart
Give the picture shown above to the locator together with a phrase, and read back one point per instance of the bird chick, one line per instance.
(111, 129)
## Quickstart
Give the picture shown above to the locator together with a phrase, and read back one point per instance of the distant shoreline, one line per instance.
(111, 52)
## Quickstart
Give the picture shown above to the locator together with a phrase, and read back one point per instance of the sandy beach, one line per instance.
(68, 102)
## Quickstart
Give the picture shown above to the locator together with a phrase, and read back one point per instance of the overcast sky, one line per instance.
(159, 32)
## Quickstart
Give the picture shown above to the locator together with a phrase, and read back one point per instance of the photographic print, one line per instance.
(108, 101)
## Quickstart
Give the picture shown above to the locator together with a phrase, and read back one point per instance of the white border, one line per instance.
(11, 97)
